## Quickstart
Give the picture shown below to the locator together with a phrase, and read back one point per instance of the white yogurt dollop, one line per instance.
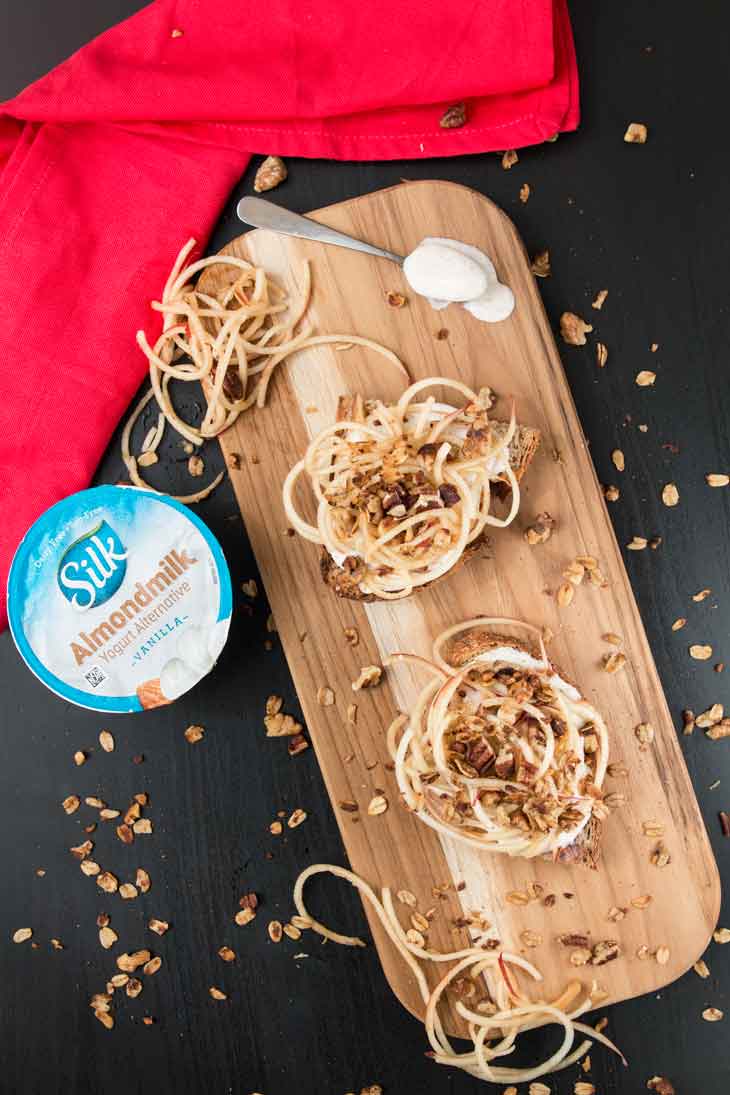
(446, 271)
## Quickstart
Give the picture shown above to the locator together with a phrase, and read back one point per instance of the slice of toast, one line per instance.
(522, 449)
(585, 851)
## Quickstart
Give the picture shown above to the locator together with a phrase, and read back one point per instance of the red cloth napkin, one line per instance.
(110, 162)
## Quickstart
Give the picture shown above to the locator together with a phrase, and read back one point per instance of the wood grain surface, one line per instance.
(516, 358)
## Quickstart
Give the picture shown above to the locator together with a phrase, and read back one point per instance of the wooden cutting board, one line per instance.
(517, 357)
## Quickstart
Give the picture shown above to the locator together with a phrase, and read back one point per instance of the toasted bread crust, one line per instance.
(585, 851)
(344, 584)
(478, 639)
(522, 449)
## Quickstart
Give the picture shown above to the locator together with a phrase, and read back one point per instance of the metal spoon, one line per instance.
(264, 214)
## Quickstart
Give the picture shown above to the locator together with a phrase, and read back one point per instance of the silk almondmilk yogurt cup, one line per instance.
(119, 599)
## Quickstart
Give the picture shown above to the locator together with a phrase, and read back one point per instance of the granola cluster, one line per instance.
(497, 756)
(402, 490)
(504, 755)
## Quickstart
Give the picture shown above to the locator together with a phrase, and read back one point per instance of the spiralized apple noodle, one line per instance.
(500, 753)
(403, 489)
(494, 1030)
(231, 342)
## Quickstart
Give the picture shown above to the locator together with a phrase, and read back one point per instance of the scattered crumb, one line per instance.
(636, 133)
(645, 378)
(573, 329)
(270, 174)
(670, 494)
(540, 265)
(454, 117)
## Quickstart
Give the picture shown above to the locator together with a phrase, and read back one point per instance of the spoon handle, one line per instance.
(264, 214)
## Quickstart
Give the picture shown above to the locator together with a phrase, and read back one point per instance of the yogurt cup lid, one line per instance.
(119, 599)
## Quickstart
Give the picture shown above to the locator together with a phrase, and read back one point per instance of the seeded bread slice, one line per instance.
(522, 449)
(585, 851)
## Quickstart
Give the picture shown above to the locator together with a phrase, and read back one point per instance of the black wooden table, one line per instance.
(648, 223)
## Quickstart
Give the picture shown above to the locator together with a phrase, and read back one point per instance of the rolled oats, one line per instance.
(670, 494)
(644, 734)
(377, 805)
(107, 882)
(107, 937)
(275, 931)
(128, 963)
(531, 938)
(612, 663)
(565, 594)
(712, 1015)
